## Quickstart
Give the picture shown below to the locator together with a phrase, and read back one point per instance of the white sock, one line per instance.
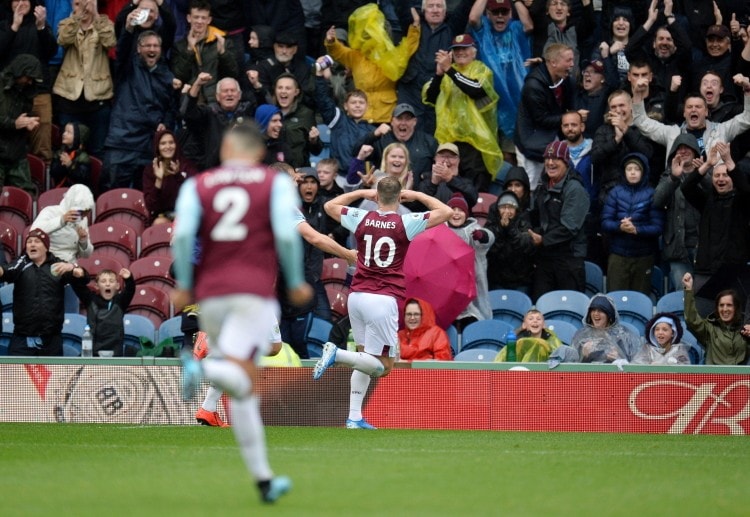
(361, 361)
(212, 398)
(359, 384)
(248, 431)
(227, 376)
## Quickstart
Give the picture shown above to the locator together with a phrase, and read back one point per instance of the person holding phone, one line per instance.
(67, 224)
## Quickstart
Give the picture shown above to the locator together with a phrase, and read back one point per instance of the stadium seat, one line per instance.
(318, 331)
(95, 174)
(6, 333)
(476, 355)
(658, 281)
(635, 329)
(325, 138)
(489, 334)
(482, 208)
(51, 197)
(151, 302)
(565, 305)
(338, 297)
(71, 303)
(72, 333)
(123, 205)
(98, 262)
(334, 270)
(136, 326)
(9, 240)
(509, 305)
(696, 352)
(594, 279)
(672, 302)
(152, 271)
(155, 241)
(562, 329)
(453, 336)
(633, 307)
(16, 208)
(38, 170)
(172, 329)
(6, 297)
(116, 240)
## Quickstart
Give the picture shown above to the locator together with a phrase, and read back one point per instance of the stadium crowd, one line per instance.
(563, 133)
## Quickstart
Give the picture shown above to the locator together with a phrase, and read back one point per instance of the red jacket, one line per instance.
(427, 341)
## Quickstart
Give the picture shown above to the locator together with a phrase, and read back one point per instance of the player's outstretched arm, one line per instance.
(334, 206)
(439, 211)
(325, 243)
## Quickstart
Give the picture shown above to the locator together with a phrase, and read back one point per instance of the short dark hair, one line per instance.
(389, 190)
(200, 5)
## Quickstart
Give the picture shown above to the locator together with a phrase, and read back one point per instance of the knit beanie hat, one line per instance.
(39, 234)
(457, 201)
(264, 114)
(557, 149)
(508, 198)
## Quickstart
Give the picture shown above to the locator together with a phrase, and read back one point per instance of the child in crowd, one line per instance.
(662, 346)
(534, 342)
(71, 164)
(633, 224)
(603, 339)
(106, 308)
(481, 239)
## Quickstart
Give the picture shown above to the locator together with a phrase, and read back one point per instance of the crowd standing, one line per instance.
(613, 132)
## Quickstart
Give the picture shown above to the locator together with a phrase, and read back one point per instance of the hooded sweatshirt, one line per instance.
(427, 341)
(79, 170)
(604, 345)
(64, 240)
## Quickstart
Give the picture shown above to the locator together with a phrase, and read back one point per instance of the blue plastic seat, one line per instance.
(7, 333)
(657, 283)
(633, 307)
(509, 305)
(673, 303)
(696, 352)
(564, 305)
(136, 326)
(72, 333)
(594, 279)
(172, 328)
(454, 339)
(489, 334)
(477, 354)
(6, 297)
(562, 329)
(318, 332)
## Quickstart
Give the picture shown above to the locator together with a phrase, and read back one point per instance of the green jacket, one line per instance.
(723, 344)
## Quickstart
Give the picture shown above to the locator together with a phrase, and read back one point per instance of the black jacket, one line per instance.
(105, 317)
(38, 296)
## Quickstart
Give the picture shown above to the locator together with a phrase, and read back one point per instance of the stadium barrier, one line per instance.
(420, 395)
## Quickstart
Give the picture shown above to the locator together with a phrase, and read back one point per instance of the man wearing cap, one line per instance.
(504, 46)
(38, 297)
(286, 59)
(718, 56)
(421, 145)
(444, 180)
(558, 218)
(17, 89)
(466, 109)
(598, 79)
(547, 93)
(438, 29)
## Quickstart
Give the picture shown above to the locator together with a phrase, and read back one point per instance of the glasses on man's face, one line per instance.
(413, 314)
(500, 12)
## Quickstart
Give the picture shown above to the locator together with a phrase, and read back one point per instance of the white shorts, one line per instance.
(374, 319)
(239, 325)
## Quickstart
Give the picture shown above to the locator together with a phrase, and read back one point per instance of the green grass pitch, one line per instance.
(112, 470)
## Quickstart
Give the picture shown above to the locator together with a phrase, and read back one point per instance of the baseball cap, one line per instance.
(719, 31)
(308, 172)
(557, 149)
(493, 5)
(286, 38)
(448, 147)
(462, 40)
(596, 64)
(403, 108)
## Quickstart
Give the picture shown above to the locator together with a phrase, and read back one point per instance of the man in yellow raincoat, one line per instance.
(466, 109)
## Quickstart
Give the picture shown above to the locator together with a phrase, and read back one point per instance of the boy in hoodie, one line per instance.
(634, 224)
(204, 49)
(105, 308)
(680, 236)
(71, 163)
